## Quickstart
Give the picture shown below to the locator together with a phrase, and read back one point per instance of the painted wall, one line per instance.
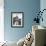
(29, 7)
(1, 20)
(43, 6)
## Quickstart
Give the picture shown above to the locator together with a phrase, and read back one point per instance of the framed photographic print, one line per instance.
(17, 19)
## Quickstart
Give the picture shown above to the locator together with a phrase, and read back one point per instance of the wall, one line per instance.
(43, 6)
(1, 20)
(29, 7)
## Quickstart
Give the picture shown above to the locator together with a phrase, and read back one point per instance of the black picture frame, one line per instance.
(17, 19)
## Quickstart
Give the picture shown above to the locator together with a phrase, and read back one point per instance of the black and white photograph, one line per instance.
(17, 19)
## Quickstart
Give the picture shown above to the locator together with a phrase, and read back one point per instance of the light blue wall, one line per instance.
(43, 6)
(29, 7)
